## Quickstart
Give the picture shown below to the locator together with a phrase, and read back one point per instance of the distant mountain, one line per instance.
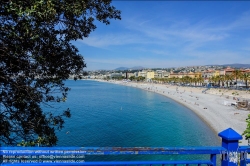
(131, 68)
(233, 65)
(121, 68)
(237, 65)
(137, 68)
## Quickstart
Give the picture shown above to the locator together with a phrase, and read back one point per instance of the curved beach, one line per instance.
(214, 106)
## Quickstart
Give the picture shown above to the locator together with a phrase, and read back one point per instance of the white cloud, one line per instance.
(103, 41)
(162, 41)
(182, 31)
(174, 33)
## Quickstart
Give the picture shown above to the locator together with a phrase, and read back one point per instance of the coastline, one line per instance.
(213, 107)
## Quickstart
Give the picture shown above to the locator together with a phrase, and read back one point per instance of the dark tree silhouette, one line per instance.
(36, 56)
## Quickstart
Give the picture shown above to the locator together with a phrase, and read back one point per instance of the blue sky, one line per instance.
(167, 34)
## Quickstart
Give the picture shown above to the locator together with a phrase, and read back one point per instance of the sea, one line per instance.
(113, 115)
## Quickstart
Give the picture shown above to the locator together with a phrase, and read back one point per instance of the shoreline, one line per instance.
(213, 107)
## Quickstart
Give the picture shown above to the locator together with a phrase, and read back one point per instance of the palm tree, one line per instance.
(222, 78)
(178, 80)
(245, 77)
(212, 79)
(140, 78)
(218, 79)
(198, 79)
(228, 78)
(132, 78)
(161, 80)
(236, 74)
(168, 80)
(190, 80)
(182, 80)
(165, 80)
(174, 79)
(185, 79)
(201, 80)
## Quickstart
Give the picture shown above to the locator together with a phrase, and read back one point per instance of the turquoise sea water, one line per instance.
(105, 114)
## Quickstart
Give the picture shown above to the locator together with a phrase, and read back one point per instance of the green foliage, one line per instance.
(235, 93)
(108, 77)
(140, 78)
(132, 78)
(247, 131)
(36, 56)
(39, 141)
(118, 77)
(245, 77)
(236, 74)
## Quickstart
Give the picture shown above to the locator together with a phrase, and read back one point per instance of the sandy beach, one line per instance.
(214, 106)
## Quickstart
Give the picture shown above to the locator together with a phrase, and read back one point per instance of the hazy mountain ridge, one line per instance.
(121, 68)
(130, 68)
(237, 65)
(234, 65)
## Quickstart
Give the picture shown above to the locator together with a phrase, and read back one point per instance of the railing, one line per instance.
(230, 154)
(244, 150)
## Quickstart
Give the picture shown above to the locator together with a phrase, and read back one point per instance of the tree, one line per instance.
(247, 131)
(140, 78)
(108, 77)
(36, 56)
(212, 79)
(201, 80)
(220, 79)
(187, 79)
(132, 78)
(195, 80)
(228, 78)
(245, 77)
(236, 74)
